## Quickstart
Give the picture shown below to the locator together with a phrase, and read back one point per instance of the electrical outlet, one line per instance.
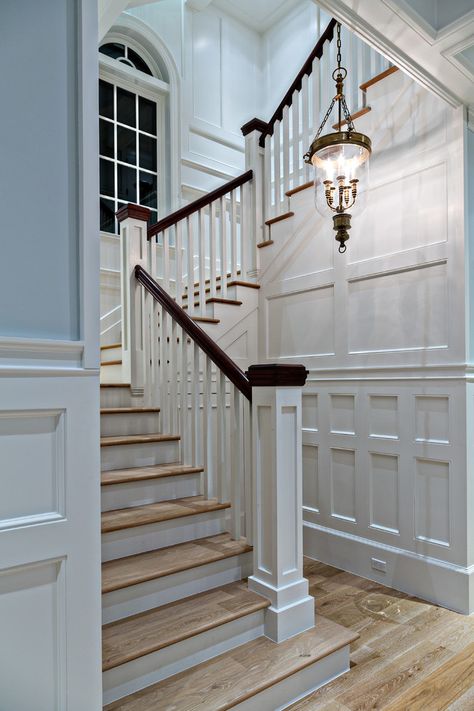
(380, 565)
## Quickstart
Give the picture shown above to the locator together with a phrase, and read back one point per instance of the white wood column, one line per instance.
(133, 250)
(254, 161)
(278, 517)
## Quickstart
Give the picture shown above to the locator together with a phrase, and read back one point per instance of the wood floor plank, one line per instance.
(155, 629)
(124, 572)
(137, 439)
(233, 677)
(123, 476)
(162, 511)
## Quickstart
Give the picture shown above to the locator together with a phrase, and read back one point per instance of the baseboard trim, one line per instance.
(445, 584)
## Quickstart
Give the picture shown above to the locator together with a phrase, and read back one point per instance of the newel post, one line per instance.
(278, 494)
(133, 221)
(254, 161)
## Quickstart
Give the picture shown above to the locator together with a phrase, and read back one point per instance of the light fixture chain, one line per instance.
(339, 44)
(328, 113)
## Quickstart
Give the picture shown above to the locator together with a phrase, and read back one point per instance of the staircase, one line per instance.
(181, 628)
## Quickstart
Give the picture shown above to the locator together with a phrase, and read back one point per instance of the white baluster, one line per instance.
(212, 249)
(190, 256)
(233, 236)
(173, 351)
(277, 164)
(155, 332)
(208, 433)
(305, 120)
(223, 246)
(244, 219)
(248, 479)
(221, 459)
(235, 462)
(179, 262)
(295, 109)
(285, 167)
(183, 398)
(268, 178)
(202, 262)
(316, 96)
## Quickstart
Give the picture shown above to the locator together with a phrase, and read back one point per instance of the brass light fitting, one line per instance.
(340, 160)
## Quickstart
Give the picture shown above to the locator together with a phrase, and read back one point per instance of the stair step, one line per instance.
(354, 116)
(205, 319)
(111, 345)
(248, 284)
(137, 439)
(142, 634)
(118, 361)
(155, 513)
(115, 385)
(128, 410)
(218, 278)
(279, 218)
(240, 674)
(135, 569)
(377, 78)
(299, 188)
(267, 243)
(217, 300)
(126, 476)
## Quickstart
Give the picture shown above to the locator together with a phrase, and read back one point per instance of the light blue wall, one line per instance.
(469, 215)
(39, 260)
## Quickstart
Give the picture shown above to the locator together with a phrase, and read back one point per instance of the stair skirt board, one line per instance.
(140, 493)
(127, 456)
(176, 586)
(300, 684)
(130, 541)
(140, 673)
(129, 424)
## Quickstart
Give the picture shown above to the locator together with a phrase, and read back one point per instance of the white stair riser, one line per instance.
(145, 596)
(286, 692)
(119, 397)
(111, 374)
(131, 677)
(129, 424)
(139, 493)
(111, 354)
(129, 541)
(127, 456)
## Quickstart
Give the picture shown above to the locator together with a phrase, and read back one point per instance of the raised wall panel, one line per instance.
(342, 414)
(310, 415)
(301, 324)
(384, 492)
(287, 453)
(265, 482)
(32, 470)
(412, 211)
(310, 477)
(383, 416)
(401, 310)
(32, 651)
(343, 484)
(432, 419)
(206, 67)
(432, 521)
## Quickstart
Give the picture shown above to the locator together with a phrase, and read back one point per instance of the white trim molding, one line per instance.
(38, 353)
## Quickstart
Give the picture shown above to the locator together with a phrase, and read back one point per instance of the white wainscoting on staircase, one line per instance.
(381, 330)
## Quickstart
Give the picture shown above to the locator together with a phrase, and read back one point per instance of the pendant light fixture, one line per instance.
(340, 161)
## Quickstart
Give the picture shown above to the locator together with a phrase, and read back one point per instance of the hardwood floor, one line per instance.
(410, 656)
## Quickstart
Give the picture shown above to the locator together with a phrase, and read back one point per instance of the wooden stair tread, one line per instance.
(128, 410)
(217, 300)
(111, 345)
(279, 218)
(118, 361)
(137, 439)
(235, 676)
(356, 115)
(124, 476)
(119, 519)
(115, 385)
(248, 284)
(147, 632)
(205, 319)
(124, 572)
(218, 278)
(377, 78)
(267, 243)
(299, 188)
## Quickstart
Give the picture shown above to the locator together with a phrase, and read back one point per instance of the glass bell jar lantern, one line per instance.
(341, 162)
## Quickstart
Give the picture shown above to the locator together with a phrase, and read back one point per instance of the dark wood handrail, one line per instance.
(305, 70)
(199, 204)
(230, 369)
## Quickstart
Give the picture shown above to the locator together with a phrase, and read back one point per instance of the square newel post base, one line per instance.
(277, 489)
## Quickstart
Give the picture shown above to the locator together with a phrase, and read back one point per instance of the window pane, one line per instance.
(126, 145)
(107, 178)
(148, 196)
(113, 49)
(127, 184)
(153, 218)
(106, 99)
(138, 61)
(147, 152)
(126, 107)
(107, 215)
(106, 139)
(147, 115)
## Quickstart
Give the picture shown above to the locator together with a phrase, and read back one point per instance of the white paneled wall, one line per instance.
(382, 332)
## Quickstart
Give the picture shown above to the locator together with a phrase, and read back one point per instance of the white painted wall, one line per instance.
(50, 598)
(381, 330)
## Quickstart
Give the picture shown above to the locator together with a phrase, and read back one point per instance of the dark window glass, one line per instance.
(107, 178)
(107, 139)
(106, 99)
(148, 195)
(127, 184)
(113, 49)
(138, 61)
(153, 218)
(126, 107)
(107, 215)
(126, 145)
(147, 115)
(147, 152)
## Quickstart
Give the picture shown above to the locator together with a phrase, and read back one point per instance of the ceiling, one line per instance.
(257, 14)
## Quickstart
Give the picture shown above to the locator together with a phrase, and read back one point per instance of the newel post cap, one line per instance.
(254, 124)
(277, 374)
(136, 212)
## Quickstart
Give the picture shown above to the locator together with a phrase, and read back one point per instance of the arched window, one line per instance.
(132, 97)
